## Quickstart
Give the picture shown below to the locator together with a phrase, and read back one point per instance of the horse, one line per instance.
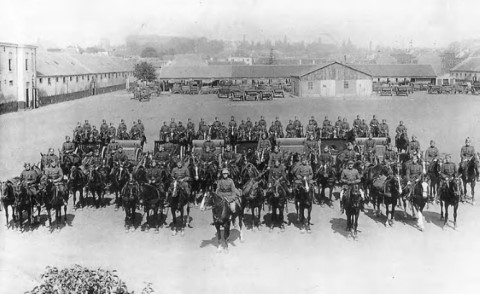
(204, 177)
(433, 173)
(374, 130)
(374, 179)
(418, 199)
(222, 217)
(386, 190)
(277, 198)
(152, 198)
(178, 202)
(76, 182)
(304, 201)
(450, 196)
(116, 179)
(96, 185)
(401, 142)
(55, 198)
(68, 161)
(253, 196)
(326, 177)
(352, 205)
(8, 199)
(469, 175)
(23, 202)
(130, 196)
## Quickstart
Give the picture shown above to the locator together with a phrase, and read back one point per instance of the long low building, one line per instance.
(398, 73)
(62, 77)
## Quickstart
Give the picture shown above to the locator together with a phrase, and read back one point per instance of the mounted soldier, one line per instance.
(311, 146)
(390, 156)
(348, 154)
(467, 152)
(369, 145)
(122, 128)
(298, 127)
(50, 157)
(277, 172)
(326, 157)
(182, 175)
(262, 123)
(383, 129)
(264, 144)
(29, 178)
(68, 146)
(275, 155)
(328, 130)
(448, 170)
(374, 122)
(169, 146)
(401, 129)
(357, 122)
(363, 128)
(112, 132)
(414, 146)
(232, 123)
(414, 172)
(431, 153)
(290, 129)
(173, 125)
(119, 156)
(208, 143)
(190, 126)
(164, 131)
(278, 124)
(229, 155)
(349, 177)
(141, 127)
(226, 189)
(104, 127)
(249, 124)
(55, 174)
(326, 122)
(87, 128)
(78, 130)
(162, 155)
(303, 171)
(313, 121)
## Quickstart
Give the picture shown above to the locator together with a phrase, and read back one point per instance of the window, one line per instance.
(26, 64)
(310, 85)
(88, 78)
(64, 79)
(345, 84)
(83, 78)
(10, 83)
(40, 80)
(49, 81)
(56, 79)
(76, 78)
(10, 64)
(71, 78)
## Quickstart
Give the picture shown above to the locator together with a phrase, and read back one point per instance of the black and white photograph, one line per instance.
(239, 146)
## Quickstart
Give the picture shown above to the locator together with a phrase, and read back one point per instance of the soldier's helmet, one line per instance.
(432, 142)
(401, 122)
(122, 120)
(104, 121)
(179, 123)
(139, 121)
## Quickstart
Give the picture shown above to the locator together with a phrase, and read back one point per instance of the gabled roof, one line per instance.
(268, 71)
(397, 70)
(471, 64)
(315, 68)
(195, 72)
(61, 64)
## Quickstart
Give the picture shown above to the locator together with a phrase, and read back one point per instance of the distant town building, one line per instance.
(17, 76)
(467, 70)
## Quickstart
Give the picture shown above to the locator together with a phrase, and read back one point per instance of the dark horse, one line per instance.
(326, 176)
(401, 142)
(55, 197)
(254, 196)
(23, 203)
(374, 179)
(450, 195)
(130, 196)
(178, 202)
(116, 180)
(76, 182)
(352, 204)
(222, 217)
(469, 175)
(433, 173)
(304, 201)
(8, 199)
(388, 193)
(152, 198)
(277, 198)
(96, 185)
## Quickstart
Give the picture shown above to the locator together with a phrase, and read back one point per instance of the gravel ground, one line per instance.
(398, 260)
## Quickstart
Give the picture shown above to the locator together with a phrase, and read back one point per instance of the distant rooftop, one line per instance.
(397, 70)
(471, 64)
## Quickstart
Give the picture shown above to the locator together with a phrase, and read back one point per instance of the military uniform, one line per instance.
(297, 124)
(190, 126)
(350, 176)
(345, 126)
(122, 127)
(232, 123)
(349, 155)
(326, 123)
(369, 145)
(278, 124)
(249, 125)
(311, 128)
(87, 127)
(162, 156)
(338, 124)
(301, 172)
(290, 129)
(173, 125)
(414, 171)
(169, 147)
(56, 174)
(328, 130)
(363, 128)
(181, 129)
(414, 146)
(112, 132)
(390, 156)
(208, 156)
(276, 173)
(313, 122)
(374, 122)
(401, 129)
(104, 128)
(262, 123)
(68, 147)
(141, 127)
(226, 189)
(357, 122)
(154, 175)
(164, 130)
(467, 152)
(275, 156)
(383, 128)
(326, 158)
(180, 174)
(229, 155)
(431, 153)
(79, 130)
(50, 158)
(264, 144)
(448, 170)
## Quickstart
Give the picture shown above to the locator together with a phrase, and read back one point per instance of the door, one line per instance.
(27, 95)
(327, 88)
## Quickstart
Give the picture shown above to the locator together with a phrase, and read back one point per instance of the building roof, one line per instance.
(471, 64)
(397, 70)
(231, 71)
(62, 64)
(17, 45)
(314, 68)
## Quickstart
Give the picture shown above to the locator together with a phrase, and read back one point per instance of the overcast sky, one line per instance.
(85, 22)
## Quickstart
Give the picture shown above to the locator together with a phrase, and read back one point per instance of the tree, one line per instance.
(149, 52)
(145, 72)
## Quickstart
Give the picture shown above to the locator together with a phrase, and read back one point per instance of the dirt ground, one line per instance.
(395, 260)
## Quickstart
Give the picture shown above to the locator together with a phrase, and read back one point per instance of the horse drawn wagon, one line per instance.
(132, 148)
(243, 146)
(87, 147)
(178, 150)
(251, 94)
(291, 145)
(434, 89)
(236, 93)
(402, 90)
(278, 91)
(386, 91)
(265, 92)
(197, 146)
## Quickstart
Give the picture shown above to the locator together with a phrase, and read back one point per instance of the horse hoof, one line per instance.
(302, 231)
(270, 230)
(174, 233)
(309, 231)
(219, 249)
(183, 233)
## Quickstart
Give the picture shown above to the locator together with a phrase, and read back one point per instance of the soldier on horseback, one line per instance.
(208, 143)
(311, 146)
(467, 152)
(262, 123)
(78, 130)
(313, 121)
(326, 122)
(190, 126)
(112, 132)
(278, 124)
(369, 146)
(162, 155)
(350, 176)
(326, 157)
(338, 123)
(104, 127)
(207, 155)
(345, 126)
(50, 157)
(154, 175)
(363, 128)
(29, 178)
(401, 129)
(182, 175)
(414, 146)
(164, 131)
(348, 155)
(141, 127)
(229, 155)
(232, 123)
(290, 129)
(173, 124)
(226, 189)
(311, 128)
(275, 155)
(277, 172)
(374, 122)
(303, 171)
(431, 153)
(448, 171)
(55, 174)
(68, 147)
(414, 171)
(87, 128)
(390, 155)
(357, 122)
(119, 156)
(298, 127)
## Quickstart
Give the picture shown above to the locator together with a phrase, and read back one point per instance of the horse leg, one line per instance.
(446, 215)
(188, 215)
(455, 207)
(442, 203)
(420, 219)
(226, 234)
(281, 218)
(6, 214)
(219, 237)
(472, 188)
(355, 229)
(308, 219)
(259, 223)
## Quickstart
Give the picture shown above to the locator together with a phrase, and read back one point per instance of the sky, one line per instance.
(426, 23)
